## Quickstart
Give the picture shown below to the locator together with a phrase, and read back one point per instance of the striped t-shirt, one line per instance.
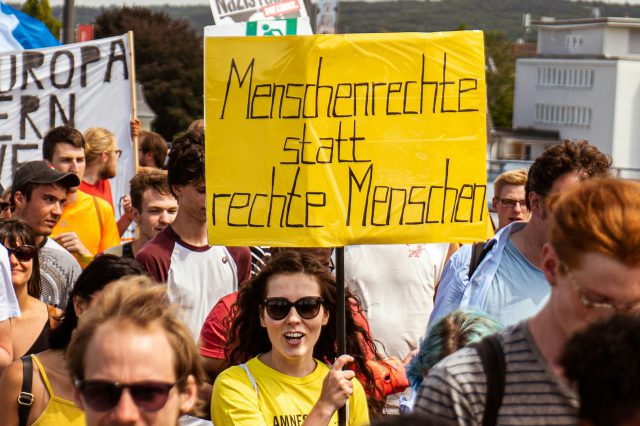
(455, 388)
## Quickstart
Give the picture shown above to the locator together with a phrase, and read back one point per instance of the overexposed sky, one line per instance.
(191, 2)
(95, 3)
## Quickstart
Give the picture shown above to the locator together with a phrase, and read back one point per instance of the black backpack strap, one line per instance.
(493, 362)
(25, 398)
(478, 252)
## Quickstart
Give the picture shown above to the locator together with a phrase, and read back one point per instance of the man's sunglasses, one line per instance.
(23, 253)
(102, 395)
(278, 307)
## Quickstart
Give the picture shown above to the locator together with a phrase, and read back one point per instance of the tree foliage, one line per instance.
(168, 55)
(41, 10)
(500, 60)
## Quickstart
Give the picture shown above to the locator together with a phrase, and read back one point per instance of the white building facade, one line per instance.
(585, 84)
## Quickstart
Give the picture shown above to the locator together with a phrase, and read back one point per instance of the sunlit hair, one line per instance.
(450, 333)
(97, 140)
(104, 269)
(510, 177)
(602, 363)
(248, 338)
(155, 179)
(601, 215)
(14, 232)
(557, 160)
(142, 304)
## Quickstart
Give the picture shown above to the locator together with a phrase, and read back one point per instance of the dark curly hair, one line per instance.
(247, 338)
(15, 232)
(186, 160)
(104, 269)
(569, 156)
(602, 361)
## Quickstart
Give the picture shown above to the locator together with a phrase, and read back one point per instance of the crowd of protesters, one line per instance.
(534, 326)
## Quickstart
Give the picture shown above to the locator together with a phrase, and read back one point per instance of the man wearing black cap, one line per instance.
(38, 193)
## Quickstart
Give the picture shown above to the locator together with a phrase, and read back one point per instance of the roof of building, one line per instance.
(144, 110)
(594, 22)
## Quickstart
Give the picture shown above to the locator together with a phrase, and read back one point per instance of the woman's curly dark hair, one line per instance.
(247, 338)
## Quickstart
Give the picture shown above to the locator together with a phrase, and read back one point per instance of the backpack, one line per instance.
(494, 365)
(478, 252)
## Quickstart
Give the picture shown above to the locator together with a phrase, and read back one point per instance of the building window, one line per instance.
(634, 40)
(573, 41)
(563, 115)
(573, 78)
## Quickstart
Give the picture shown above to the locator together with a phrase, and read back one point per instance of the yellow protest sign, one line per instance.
(332, 140)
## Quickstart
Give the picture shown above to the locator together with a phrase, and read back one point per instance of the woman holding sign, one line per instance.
(282, 336)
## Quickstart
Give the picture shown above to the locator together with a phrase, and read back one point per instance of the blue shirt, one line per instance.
(518, 289)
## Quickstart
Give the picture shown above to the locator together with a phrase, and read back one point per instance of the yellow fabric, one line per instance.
(81, 217)
(281, 399)
(58, 412)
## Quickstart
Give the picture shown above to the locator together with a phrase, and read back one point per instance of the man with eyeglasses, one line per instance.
(38, 194)
(508, 282)
(509, 197)
(592, 263)
(132, 360)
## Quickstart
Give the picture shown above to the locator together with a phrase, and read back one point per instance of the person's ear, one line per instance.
(77, 399)
(550, 264)
(135, 215)
(536, 201)
(188, 395)
(79, 305)
(148, 159)
(261, 316)
(177, 190)
(19, 200)
(325, 316)
(494, 204)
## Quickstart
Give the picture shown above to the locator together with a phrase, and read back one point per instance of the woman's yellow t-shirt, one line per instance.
(280, 399)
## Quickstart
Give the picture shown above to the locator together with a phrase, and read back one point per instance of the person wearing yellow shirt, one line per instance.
(87, 226)
(279, 381)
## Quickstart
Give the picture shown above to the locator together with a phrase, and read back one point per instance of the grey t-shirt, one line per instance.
(455, 389)
(59, 271)
(518, 290)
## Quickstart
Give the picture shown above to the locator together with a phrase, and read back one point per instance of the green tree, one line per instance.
(41, 10)
(500, 67)
(168, 56)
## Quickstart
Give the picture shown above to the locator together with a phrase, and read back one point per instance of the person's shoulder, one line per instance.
(459, 361)
(12, 376)
(53, 250)
(232, 375)
(103, 205)
(52, 245)
(161, 243)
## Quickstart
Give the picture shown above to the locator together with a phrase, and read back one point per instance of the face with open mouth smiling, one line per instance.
(293, 337)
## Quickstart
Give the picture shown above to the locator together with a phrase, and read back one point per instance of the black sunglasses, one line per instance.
(102, 395)
(23, 253)
(278, 307)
